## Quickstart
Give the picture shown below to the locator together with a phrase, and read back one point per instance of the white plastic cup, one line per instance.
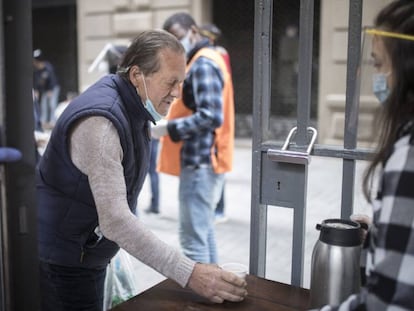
(237, 268)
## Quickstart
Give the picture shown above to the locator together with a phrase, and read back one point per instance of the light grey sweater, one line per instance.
(96, 151)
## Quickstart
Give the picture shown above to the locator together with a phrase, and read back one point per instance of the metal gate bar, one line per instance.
(303, 113)
(304, 70)
(261, 145)
(351, 105)
(262, 56)
(261, 109)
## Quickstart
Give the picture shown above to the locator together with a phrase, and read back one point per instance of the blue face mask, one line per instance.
(186, 43)
(380, 86)
(149, 106)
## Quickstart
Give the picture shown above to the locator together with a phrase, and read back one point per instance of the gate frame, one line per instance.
(261, 113)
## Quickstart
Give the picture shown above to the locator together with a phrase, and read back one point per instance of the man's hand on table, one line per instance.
(217, 285)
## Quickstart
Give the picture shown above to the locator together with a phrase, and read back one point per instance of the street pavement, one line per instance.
(233, 236)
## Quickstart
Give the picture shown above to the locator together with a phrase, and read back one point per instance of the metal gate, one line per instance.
(279, 172)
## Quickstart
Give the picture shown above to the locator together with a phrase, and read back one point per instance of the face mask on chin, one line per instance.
(149, 105)
(186, 42)
(380, 86)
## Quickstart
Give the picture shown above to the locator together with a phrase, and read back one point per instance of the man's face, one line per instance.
(163, 86)
(178, 31)
(187, 37)
(38, 64)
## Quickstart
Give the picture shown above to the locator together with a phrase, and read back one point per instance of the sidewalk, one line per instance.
(233, 236)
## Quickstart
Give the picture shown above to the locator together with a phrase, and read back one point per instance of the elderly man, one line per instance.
(91, 174)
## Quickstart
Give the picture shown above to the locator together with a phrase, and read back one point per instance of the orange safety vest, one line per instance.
(222, 149)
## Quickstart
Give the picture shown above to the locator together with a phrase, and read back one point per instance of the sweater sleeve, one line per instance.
(96, 150)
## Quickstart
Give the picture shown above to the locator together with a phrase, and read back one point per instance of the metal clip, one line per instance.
(290, 156)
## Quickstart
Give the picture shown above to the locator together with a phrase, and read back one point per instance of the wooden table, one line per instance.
(264, 295)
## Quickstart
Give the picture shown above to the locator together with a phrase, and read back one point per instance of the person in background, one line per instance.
(213, 33)
(63, 105)
(390, 240)
(154, 179)
(40, 137)
(198, 138)
(46, 86)
(114, 57)
(91, 174)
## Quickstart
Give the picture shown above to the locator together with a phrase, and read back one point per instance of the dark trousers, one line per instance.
(71, 289)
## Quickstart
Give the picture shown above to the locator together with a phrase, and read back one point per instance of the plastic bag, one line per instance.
(119, 283)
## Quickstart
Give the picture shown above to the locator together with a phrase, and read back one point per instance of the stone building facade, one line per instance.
(117, 21)
(332, 74)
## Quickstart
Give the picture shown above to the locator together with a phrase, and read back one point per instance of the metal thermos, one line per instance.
(335, 272)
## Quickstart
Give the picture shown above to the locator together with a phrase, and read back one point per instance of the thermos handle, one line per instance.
(318, 227)
(363, 225)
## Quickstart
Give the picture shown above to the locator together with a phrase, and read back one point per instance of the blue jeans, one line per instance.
(199, 193)
(48, 103)
(154, 179)
(71, 289)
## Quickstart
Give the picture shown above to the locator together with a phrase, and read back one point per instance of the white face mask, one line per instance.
(380, 86)
(186, 42)
(148, 104)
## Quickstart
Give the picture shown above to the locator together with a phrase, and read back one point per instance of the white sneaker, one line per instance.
(219, 219)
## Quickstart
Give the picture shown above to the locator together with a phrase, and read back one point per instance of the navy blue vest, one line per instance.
(67, 215)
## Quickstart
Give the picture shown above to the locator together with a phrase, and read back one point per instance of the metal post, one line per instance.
(351, 106)
(261, 104)
(303, 110)
(305, 70)
(20, 209)
(3, 216)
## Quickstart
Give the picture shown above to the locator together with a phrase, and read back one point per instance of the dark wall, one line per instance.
(50, 3)
(236, 20)
(55, 33)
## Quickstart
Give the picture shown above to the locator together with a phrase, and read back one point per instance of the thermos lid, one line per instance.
(340, 232)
